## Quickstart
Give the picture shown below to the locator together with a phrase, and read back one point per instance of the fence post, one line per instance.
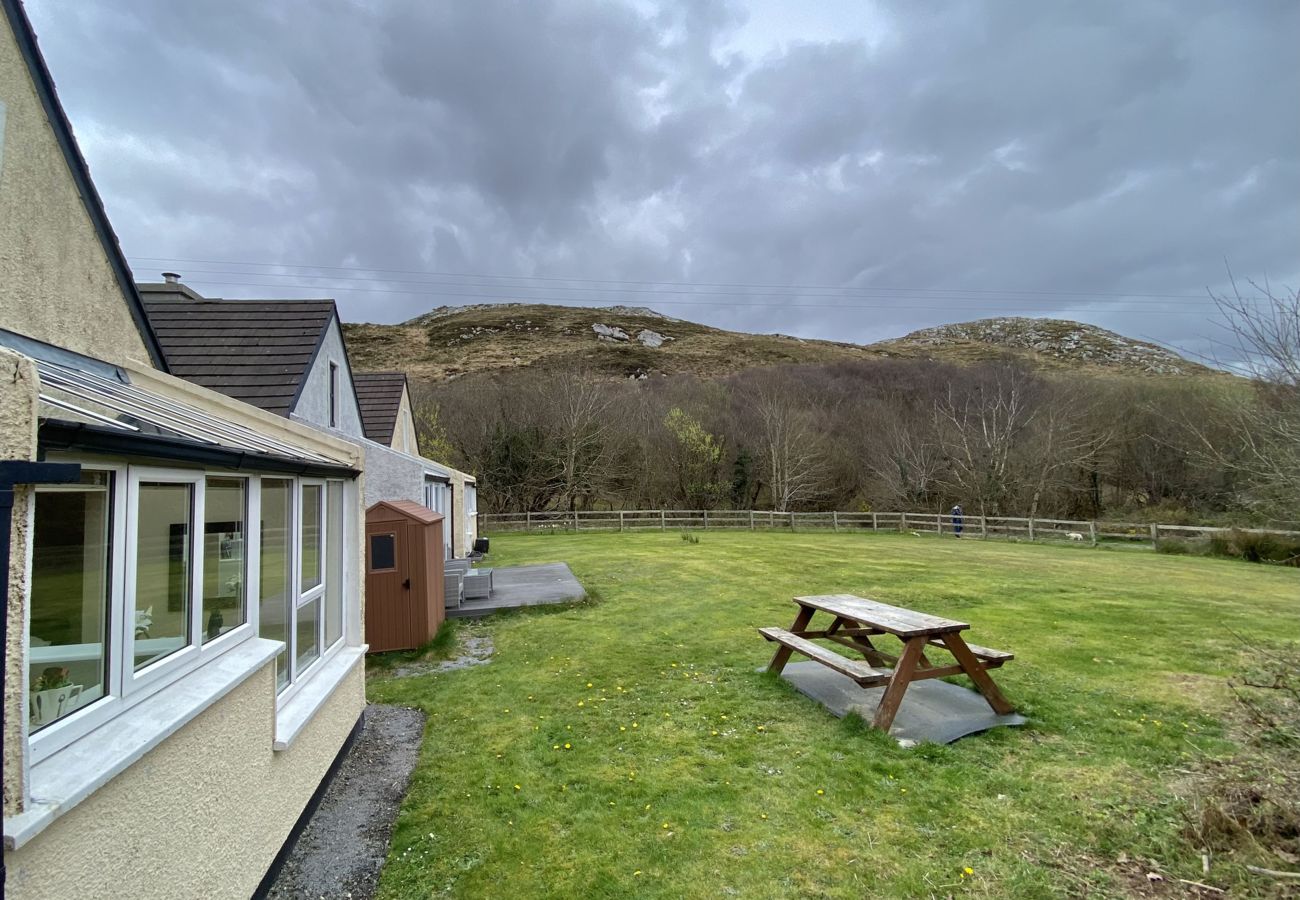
(1092, 532)
(902, 522)
(792, 523)
(620, 520)
(938, 522)
(984, 527)
(706, 520)
(528, 520)
(575, 520)
(1031, 528)
(835, 520)
(1155, 535)
(751, 520)
(663, 520)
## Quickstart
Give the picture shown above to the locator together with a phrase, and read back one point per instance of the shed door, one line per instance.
(387, 590)
(437, 496)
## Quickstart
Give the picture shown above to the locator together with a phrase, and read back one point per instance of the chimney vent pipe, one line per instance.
(171, 277)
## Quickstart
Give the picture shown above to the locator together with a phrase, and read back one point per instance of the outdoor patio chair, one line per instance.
(478, 584)
(453, 589)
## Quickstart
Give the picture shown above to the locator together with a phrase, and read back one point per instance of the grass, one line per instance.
(631, 747)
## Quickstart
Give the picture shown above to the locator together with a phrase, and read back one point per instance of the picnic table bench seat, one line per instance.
(863, 674)
(992, 658)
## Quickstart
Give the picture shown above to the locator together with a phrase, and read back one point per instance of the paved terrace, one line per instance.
(519, 586)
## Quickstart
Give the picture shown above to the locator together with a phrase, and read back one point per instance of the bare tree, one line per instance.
(1265, 338)
(790, 445)
(979, 423)
(580, 417)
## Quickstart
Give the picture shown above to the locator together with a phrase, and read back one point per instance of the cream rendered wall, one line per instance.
(19, 388)
(404, 428)
(202, 815)
(56, 284)
(466, 526)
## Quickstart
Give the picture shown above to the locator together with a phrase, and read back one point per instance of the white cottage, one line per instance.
(183, 593)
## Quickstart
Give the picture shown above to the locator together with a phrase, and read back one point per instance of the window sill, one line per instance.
(294, 714)
(70, 775)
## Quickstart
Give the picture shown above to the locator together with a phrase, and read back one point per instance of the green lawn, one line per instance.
(681, 771)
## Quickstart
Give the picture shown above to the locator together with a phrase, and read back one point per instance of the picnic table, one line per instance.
(858, 620)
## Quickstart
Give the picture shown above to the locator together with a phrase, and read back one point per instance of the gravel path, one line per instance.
(340, 852)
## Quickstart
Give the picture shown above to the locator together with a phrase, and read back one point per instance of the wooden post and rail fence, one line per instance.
(972, 526)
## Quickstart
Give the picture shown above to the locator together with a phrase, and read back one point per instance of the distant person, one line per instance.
(956, 520)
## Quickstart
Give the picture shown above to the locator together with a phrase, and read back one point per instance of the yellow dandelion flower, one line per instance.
(622, 728)
(665, 824)
(761, 728)
(567, 746)
(647, 806)
(968, 871)
(518, 788)
(507, 710)
(580, 703)
(635, 725)
(715, 734)
(588, 684)
(556, 747)
(820, 792)
(637, 872)
(762, 815)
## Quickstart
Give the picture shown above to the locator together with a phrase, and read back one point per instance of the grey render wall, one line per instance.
(314, 401)
(391, 475)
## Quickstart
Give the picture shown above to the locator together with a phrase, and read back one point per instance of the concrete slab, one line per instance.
(519, 586)
(931, 710)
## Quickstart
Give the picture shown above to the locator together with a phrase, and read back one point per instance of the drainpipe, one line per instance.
(13, 473)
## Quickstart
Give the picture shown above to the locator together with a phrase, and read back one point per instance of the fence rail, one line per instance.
(1007, 527)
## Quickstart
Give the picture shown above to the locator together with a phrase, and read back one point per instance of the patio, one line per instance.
(515, 587)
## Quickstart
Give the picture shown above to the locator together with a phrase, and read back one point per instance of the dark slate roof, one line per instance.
(380, 396)
(44, 83)
(257, 351)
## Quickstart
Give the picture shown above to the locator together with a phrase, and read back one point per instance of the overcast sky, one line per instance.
(947, 161)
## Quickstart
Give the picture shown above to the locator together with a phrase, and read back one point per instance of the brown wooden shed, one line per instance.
(404, 586)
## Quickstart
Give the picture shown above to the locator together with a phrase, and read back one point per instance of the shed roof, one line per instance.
(408, 508)
(257, 351)
(379, 394)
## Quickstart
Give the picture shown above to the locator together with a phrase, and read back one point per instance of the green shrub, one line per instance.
(1273, 548)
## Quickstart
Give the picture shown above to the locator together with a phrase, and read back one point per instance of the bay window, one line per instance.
(140, 574)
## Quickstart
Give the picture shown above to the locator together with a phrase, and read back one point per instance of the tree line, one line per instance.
(997, 438)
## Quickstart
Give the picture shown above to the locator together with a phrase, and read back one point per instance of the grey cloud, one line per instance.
(1107, 148)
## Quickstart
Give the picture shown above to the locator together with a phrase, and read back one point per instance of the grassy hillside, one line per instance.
(454, 341)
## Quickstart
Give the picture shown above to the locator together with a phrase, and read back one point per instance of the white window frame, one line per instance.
(124, 687)
(297, 676)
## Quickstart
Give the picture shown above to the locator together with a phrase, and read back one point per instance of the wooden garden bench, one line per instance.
(858, 620)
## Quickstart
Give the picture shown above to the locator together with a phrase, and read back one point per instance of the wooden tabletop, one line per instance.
(892, 619)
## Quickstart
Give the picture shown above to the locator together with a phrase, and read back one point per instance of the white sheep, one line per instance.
(1075, 536)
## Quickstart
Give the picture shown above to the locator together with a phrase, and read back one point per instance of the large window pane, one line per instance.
(334, 563)
(277, 568)
(224, 567)
(71, 550)
(308, 646)
(164, 525)
(311, 536)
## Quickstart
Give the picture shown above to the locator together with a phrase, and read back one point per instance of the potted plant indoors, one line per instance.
(52, 695)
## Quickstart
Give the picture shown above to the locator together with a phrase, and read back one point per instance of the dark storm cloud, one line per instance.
(1107, 148)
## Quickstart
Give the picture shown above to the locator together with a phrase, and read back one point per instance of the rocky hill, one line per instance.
(1052, 343)
(635, 342)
